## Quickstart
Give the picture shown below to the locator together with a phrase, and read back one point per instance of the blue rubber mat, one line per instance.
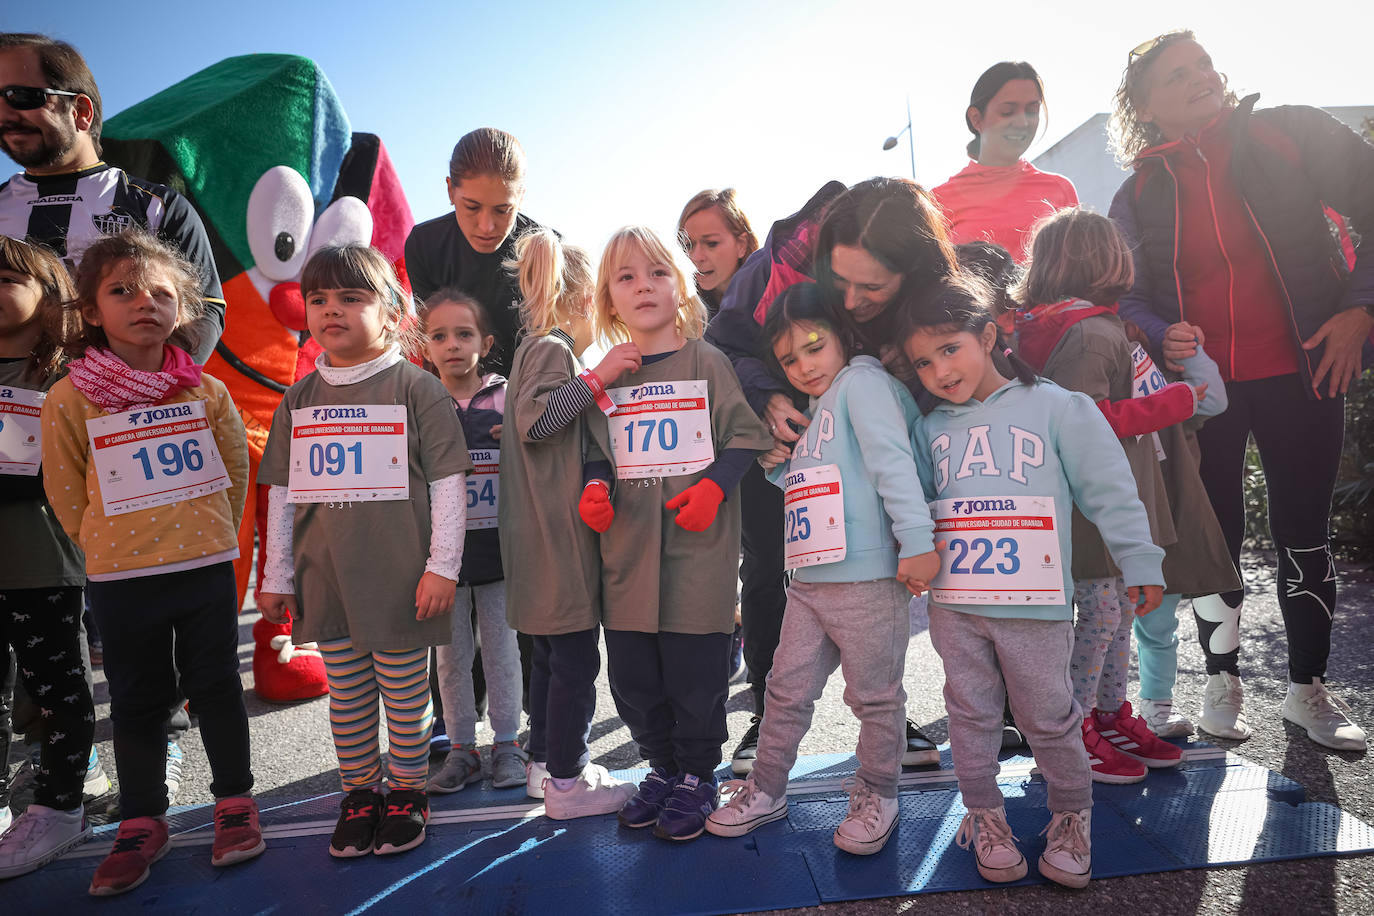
(488, 851)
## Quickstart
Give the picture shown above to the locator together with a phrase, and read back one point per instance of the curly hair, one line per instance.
(1131, 136)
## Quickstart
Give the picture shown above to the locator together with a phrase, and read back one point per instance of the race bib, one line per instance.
(1146, 379)
(484, 488)
(661, 430)
(349, 454)
(813, 517)
(21, 431)
(998, 550)
(155, 455)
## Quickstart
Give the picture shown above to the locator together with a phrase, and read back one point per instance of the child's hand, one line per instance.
(780, 452)
(595, 506)
(1201, 390)
(433, 596)
(496, 432)
(276, 608)
(917, 572)
(619, 359)
(1154, 594)
(697, 505)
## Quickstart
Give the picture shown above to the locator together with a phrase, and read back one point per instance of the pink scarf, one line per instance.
(111, 384)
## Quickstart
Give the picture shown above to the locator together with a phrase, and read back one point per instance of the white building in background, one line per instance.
(1085, 156)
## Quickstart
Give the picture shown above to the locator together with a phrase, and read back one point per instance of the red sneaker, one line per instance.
(1130, 734)
(1108, 764)
(141, 841)
(238, 837)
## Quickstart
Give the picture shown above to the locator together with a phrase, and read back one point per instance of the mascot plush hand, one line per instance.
(261, 146)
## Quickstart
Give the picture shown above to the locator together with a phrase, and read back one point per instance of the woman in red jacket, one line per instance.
(999, 195)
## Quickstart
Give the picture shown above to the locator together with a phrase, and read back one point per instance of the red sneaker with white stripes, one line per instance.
(1107, 763)
(1130, 734)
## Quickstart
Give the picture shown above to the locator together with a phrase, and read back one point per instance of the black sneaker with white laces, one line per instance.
(357, 826)
(920, 750)
(403, 824)
(742, 761)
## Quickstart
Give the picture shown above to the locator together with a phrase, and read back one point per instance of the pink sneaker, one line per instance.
(1130, 734)
(1108, 764)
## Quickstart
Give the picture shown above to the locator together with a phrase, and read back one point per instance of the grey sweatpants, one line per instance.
(861, 628)
(500, 664)
(987, 660)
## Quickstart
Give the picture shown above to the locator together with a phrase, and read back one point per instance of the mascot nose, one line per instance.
(288, 305)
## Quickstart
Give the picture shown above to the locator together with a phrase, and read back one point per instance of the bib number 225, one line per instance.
(798, 525)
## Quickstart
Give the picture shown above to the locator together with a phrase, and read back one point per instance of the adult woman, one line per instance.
(1224, 212)
(866, 244)
(486, 185)
(999, 196)
(717, 236)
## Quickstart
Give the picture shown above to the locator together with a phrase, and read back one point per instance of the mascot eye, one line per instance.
(346, 221)
(280, 213)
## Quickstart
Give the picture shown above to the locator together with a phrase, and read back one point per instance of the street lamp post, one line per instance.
(891, 142)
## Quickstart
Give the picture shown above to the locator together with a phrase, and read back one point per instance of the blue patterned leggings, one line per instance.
(1101, 660)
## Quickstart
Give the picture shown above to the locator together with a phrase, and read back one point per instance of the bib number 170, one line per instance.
(667, 434)
(962, 550)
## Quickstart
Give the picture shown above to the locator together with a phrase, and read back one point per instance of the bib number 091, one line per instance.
(667, 434)
(962, 550)
(173, 458)
(331, 458)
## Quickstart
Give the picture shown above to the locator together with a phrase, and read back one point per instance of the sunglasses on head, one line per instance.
(1145, 47)
(27, 98)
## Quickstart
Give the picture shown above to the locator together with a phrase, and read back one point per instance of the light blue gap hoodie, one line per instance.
(1040, 440)
(860, 424)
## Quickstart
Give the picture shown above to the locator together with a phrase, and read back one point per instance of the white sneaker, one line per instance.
(1324, 715)
(1221, 708)
(1163, 719)
(535, 773)
(994, 845)
(745, 807)
(870, 821)
(38, 836)
(1067, 858)
(594, 791)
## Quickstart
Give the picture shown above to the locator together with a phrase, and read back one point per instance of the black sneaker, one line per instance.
(920, 750)
(1011, 735)
(742, 761)
(357, 827)
(403, 825)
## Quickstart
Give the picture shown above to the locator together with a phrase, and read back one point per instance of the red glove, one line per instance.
(595, 506)
(697, 505)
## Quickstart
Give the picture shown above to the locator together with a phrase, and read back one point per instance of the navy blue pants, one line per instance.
(563, 672)
(763, 586)
(156, 629)
(670, 689)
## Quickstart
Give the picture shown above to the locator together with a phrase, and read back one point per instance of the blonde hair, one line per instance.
(364, 267)
(691, 313)
(555, 280)
(146, 252)
(1131, 136)
(1076, 254)
(55, 288)
(728, 203)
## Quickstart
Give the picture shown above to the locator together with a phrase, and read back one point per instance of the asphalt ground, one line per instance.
(293, 757)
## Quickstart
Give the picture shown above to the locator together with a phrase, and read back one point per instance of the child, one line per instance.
(681, 437)
(1079, 266)
(458, 337)
(146, 466)
(366, 464)
(1027, 446)
(850, 608)
(558, 600)
(41, 570)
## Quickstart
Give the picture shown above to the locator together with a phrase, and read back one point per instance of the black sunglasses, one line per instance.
(27, 98)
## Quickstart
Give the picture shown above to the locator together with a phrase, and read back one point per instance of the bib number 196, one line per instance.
(172, 458)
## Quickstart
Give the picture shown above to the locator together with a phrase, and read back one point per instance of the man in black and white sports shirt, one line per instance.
(66, 197)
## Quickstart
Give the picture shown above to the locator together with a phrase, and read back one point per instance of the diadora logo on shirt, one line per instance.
(159, 413)
(970, 506)
(55, 199)
(112, 223)
(650, 391)
(339, 413)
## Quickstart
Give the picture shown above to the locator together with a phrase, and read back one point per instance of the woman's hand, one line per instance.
(1344, 333)
(777, 414)
(433, 596)
(277, 608)
(1181, 341)
(621, 358)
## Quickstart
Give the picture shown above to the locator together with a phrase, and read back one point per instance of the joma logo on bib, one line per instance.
(799, 477)
(338, 413)
(649, 391)
(968, 507)
(157, 414)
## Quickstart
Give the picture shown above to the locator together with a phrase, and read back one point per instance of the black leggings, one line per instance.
(763, 589)
(1299, 443)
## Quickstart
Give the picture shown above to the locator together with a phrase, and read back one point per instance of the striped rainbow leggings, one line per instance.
(355, 680)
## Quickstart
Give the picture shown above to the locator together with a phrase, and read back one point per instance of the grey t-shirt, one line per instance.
(357, 563)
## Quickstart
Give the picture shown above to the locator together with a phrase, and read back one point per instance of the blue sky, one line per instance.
(627, 109)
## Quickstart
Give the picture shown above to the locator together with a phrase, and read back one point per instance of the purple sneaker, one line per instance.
(684, 813)
(643, 810)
